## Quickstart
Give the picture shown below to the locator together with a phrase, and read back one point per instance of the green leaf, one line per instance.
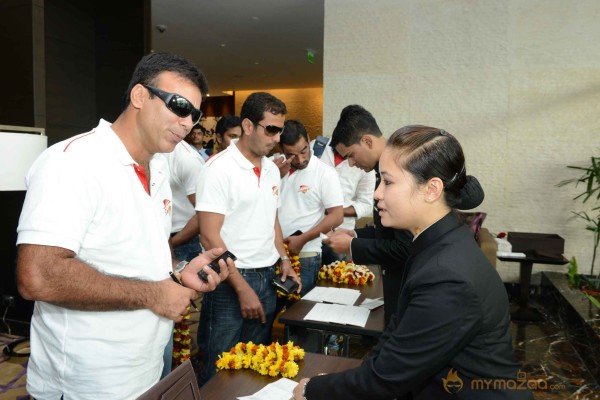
(572, 274)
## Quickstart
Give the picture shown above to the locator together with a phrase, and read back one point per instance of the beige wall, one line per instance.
(305, 105)
(518, 82)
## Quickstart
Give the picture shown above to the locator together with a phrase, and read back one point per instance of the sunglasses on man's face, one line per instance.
(271, 130)
(179, 105)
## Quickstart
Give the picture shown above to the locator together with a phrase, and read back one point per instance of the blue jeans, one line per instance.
(188, 250)
(309, 272)
(221, 324)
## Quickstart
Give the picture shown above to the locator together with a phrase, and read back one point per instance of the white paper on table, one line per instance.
(511, 255)
(339, 314)
(281, 389)
(333, 295)
(371, 304)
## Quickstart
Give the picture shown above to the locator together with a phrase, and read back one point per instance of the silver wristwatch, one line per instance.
(180, 266)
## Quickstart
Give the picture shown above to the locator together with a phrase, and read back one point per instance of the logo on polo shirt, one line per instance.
(275, 190)
(303, 189)
(167, 206)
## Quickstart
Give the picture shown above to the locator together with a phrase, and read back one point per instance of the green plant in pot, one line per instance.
(591, 181)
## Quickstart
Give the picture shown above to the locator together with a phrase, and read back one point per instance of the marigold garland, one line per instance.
(295, 262)
(182, 341)
(271, 360)
(346, 272)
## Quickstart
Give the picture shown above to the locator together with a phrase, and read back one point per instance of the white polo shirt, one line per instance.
(358, 186)
(230, 185)
(305, 195)
(84, 195)
(185, 164)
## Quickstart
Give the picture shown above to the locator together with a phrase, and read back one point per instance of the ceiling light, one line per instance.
(255, 18)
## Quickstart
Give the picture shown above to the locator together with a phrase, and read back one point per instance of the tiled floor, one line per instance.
(548, 359)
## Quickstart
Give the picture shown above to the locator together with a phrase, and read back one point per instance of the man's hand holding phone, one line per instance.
(199, 266)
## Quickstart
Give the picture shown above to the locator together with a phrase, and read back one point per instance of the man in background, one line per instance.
(357, 187)
(358, 139)
(311, 202)
(196, 139)
(237, 199)
(228, 128)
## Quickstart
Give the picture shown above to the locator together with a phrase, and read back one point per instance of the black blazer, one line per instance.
(453, 316)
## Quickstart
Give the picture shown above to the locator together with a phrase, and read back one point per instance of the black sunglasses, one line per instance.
(178, 104)
(271, 130)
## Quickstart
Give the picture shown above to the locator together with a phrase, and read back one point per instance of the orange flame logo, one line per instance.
(167, 206)
(452, 382)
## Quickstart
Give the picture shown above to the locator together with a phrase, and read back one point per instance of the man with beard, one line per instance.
(311, 202)
(237, 199)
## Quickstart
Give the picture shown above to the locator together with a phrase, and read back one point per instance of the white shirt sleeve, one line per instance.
(212, 191)
(60, 202)
(363, 197)
(331, 189)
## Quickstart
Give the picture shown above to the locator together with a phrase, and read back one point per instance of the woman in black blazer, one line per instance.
(450, 336)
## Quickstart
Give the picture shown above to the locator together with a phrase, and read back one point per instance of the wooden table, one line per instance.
(294, 316)
(524, 312)
(230, 384)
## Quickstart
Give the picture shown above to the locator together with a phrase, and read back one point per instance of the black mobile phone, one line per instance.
(287, 287)
(297, 233)
(214, 264)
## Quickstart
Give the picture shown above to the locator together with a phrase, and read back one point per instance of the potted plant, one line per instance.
(591, 181)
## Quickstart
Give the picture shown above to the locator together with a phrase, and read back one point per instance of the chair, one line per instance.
(180, 384)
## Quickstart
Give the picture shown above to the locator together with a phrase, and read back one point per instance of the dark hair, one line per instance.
(354, 123)
(428, 152)
(258, 103)
(292, 132)
(226, 122)
(153, 64)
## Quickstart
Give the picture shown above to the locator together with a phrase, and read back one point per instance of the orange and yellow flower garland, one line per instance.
(182, 341)
(271, 360)
(346, 272)
(295, 262)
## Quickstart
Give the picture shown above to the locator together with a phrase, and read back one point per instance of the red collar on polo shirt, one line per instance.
(337, 158)
(141, 173)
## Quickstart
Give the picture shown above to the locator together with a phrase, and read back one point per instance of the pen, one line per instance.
(179, 282)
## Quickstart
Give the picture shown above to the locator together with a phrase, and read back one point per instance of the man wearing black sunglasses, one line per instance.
(92, 244)
(238, 197)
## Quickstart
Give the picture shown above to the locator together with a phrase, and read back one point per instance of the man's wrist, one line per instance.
(180, 266)
(285, 258)
(304, 389)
